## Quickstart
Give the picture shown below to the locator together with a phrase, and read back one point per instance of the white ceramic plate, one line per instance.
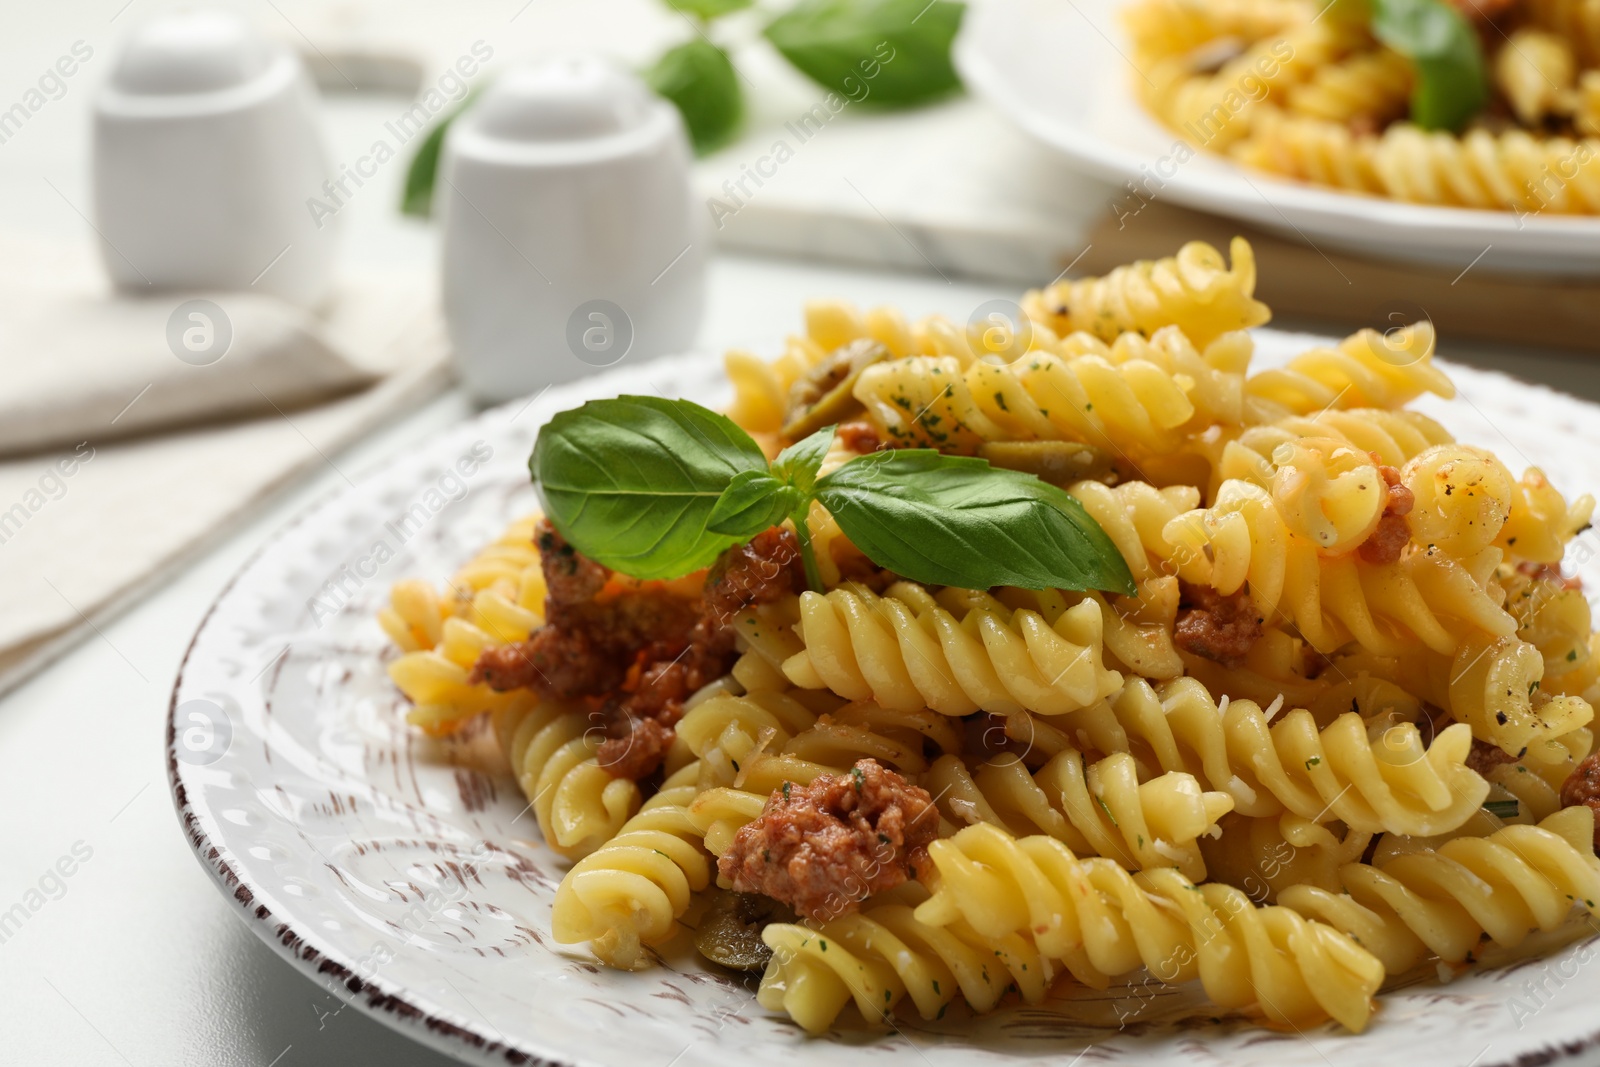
(405, 876)
(1060, 69)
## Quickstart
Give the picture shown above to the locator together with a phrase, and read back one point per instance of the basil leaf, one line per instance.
(699, 78)
(954, 520)
(708, 9)
(417, 197)
(631, 482)
(798, 464)
(892, 52)
(1452, 76)
(754, 501)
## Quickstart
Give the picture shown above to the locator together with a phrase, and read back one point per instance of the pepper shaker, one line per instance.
(207, 158)
(571, 239)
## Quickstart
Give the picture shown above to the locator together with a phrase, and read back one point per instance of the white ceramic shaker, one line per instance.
(571, 239)
(207, 157)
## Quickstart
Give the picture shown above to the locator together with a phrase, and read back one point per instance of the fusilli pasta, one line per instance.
(1117, 922)
(908, 649)
(1442, 901)
(1102, 809)
(1269, 764)
(1195, 290)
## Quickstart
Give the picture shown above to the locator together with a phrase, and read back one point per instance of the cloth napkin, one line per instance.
(119, 460)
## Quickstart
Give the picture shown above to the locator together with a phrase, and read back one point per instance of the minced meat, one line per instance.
(1389, 540)
(1583, 787)
(825, 847)
(635, 651)
(1217, 627)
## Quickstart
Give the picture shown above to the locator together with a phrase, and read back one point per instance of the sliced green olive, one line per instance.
(827, 394)
(1056, 462)
(730, 930)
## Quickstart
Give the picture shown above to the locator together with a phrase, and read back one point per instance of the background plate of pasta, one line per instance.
(1119, 679)
(1400, 129)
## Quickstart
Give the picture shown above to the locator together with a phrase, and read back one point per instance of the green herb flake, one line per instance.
(1504, 809)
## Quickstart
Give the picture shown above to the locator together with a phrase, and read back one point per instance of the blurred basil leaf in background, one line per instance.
(1452, 76)
(698, 77)
(893, 53)
(708, 9)
(417, 197)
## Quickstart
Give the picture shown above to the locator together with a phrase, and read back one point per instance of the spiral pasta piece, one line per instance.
(1445, 900)
(1212, 378)
(629, 893)
(762, 389)
(1161, 28)
(1194, 290)
(905, 650)
(1264, 856)
(497, 598)
(1535, 784)
(1215, 107)
(1541, 522)
(1586, 107)
(1536, 71)
(1553, 616)
(1461, 498)
(1371, 87)
(1578, 21)
(1426, 596)
(1392, 438)
(1272, 763)
(1328, 493)
(1366, 370)
(939, 402)
(882, 954)
(1102, 809)
(1510, 171)
(1495, 685)
(551, 747)
(1135, 516)
(1270, 960)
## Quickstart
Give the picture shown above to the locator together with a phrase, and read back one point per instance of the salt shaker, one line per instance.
(571, 239)
(208, 161)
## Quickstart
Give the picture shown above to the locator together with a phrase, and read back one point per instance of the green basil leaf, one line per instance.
(798, 464)
(708, 9)
(631, 482)
(754, 501)
(954, 520)
(698, 77)
(1452, 75)
(891, 52)
(417, 197)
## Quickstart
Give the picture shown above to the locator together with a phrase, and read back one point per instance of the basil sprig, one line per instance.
(659, 488)
(1452, 76)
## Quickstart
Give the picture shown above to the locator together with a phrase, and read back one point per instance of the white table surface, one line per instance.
(140, 961)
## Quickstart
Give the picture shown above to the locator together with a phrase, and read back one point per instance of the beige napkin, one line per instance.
(96, 517)
(81, 363)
